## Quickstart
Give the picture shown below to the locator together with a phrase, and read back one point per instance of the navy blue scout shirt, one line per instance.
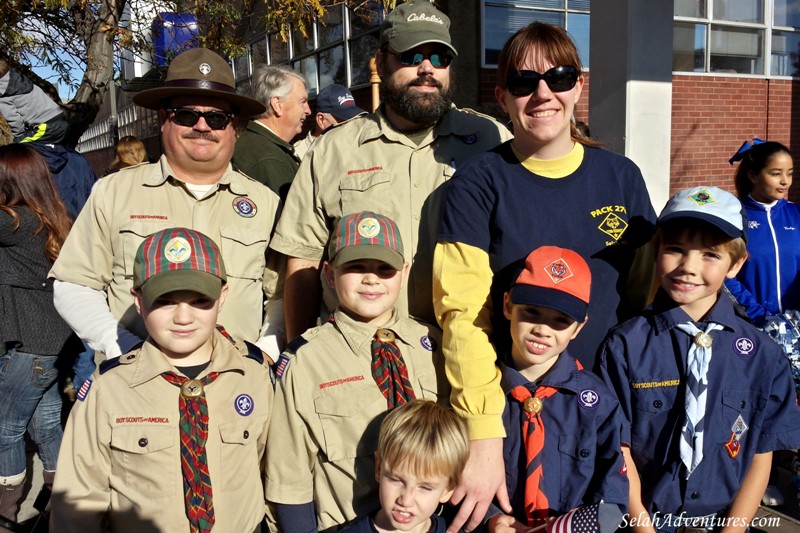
(644, 361)
(583, 428)
(367, 525)
(602, 211)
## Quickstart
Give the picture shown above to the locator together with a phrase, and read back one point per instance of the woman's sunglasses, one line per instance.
(216, 120)
(413, 58)
(525, 82)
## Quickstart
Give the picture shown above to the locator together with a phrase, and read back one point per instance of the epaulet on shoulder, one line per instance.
(295, 345)
(254, 352)
(470, 111)
(125, 359)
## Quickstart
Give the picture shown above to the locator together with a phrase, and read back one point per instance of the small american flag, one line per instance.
(596, 518)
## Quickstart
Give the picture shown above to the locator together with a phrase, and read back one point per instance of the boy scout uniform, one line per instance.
(131, 204)
(329, 409)
(385, 171)
(121, 453)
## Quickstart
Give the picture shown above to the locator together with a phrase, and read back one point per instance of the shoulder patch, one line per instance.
(296, 344)
(280, 366)
(254, 352)
(84, 390)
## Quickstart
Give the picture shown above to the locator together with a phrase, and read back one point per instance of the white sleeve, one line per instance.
(272, 339)
(86, 311)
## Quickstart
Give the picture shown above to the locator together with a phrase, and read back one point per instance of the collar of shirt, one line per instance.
(151, 363)
(225, 182)
(378, 126)
(358, 335)
(667, 314)
(563, 375)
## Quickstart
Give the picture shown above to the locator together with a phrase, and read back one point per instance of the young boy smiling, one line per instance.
(563, 426)
(337, 381)
(422, 450)
(707, 395)
(188, 392)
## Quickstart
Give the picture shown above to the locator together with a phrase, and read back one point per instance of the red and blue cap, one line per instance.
(178, 259)
(556, 278)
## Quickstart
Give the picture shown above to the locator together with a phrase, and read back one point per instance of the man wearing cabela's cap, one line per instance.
(394, 161)
(192, 185)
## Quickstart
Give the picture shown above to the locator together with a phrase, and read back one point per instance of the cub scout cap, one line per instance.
(710, 204)
(178, 259)
(367, 235)
(414, 23)
(555, 278)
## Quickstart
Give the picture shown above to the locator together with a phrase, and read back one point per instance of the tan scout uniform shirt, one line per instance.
(366, 165)
(127, 206)
(328, 411)
(121, 452)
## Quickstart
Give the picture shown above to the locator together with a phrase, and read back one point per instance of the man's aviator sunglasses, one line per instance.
(216, 120)
(412, 58)
(525, 82)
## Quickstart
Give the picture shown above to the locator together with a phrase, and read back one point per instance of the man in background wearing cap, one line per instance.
(551, 400)
(171, 436)
(264, 152)
(335, 104)
(707, 395)
(337, 381)
(394, 161)
(192, 185)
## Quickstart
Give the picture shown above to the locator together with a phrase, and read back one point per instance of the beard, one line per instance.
(423, 109)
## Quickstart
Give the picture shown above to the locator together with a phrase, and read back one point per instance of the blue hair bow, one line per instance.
(743, 149)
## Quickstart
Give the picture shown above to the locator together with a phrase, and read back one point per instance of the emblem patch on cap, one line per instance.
(588, 399)
(243, 404)
(204, 68)
(470, 139)
(177, 250)
(369, 228)
(703, 197)
(427, 343)
(558, 271)
(244, 207)
(744, 346)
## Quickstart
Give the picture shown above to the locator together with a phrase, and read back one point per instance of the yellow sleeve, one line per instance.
(462, 281)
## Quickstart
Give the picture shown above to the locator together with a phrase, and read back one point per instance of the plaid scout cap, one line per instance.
(555, 278)
(710, 204)
(411, 24)
(178, 259)
(367, 235)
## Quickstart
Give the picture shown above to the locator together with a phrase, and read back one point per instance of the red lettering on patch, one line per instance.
(362, 170)
(142, 420)
(340, 381)
(149, 217)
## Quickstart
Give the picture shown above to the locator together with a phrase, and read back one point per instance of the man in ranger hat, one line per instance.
(393, 162)
(192, 185)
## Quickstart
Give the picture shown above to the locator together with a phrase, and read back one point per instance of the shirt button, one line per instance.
(585, 453)
(246, 434)
(695, 495)
(416, 185)
(131, 356)
(142, 442)
(657, 404)
(743, 404)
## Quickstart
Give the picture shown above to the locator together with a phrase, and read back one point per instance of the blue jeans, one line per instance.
(84, 366)
(30, 401)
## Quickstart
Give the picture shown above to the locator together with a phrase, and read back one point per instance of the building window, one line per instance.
(501, 18)
(336, 49)
(736, 37)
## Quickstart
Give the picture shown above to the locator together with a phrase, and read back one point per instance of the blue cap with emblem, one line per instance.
(713, 205)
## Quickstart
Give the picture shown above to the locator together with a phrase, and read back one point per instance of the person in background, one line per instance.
(263, 151)
(547, 186)
(33, 226)
(29, 111)
(128, 152)
(422, 450)
(334, 105)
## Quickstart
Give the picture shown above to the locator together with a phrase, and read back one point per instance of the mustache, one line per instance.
(429, 81)
(207, 135)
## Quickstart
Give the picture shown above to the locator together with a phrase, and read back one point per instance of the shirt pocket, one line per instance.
(244, 252)
(350, 416)
(654, 419)
(148, 456)
(576, 456)
(363, 192)
(748, 404)
(131, 235)
(432, 387)
(239, 451)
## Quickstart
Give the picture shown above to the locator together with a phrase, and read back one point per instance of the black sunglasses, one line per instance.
(413, 58)
(525, 82)
(216, 120)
